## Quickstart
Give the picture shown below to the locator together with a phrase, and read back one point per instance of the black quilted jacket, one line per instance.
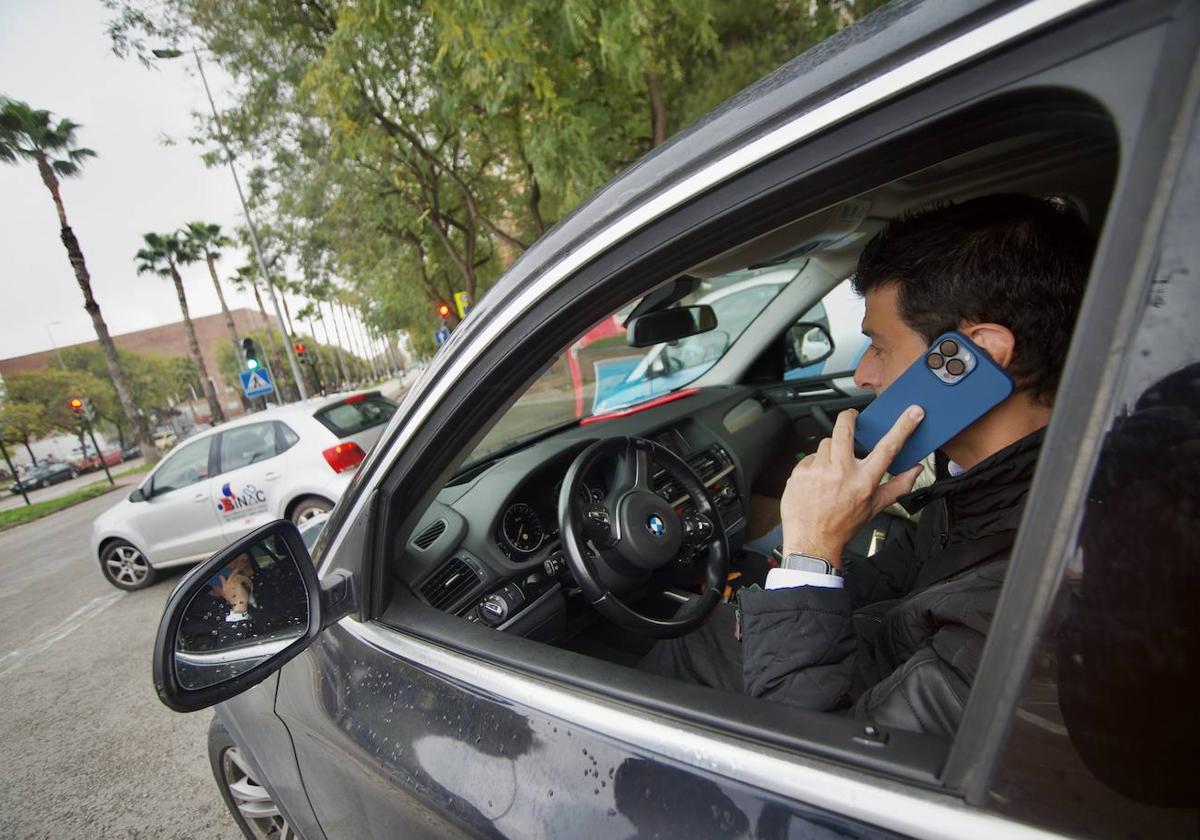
(900, 645)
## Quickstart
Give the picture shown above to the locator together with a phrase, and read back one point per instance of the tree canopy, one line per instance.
(404, 151)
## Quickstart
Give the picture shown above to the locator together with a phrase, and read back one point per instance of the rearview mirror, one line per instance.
(240, 616)
(669, 325)
(809, 343)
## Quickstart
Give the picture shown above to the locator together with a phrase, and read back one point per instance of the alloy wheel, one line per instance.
(307, 514)
(127, 565)
(260, 814)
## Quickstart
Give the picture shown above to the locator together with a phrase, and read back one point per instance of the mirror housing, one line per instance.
(669, 325)
(138, 495)
(232, 665)
(810, 343)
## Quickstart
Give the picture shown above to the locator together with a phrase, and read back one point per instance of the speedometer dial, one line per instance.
(522, 529)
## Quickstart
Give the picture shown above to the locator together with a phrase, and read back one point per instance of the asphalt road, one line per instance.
(42, 494)
(87, 749)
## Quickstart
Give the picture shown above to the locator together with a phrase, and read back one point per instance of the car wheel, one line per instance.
(74, 473)
(126, 567)
(248, 801)
(309, 508)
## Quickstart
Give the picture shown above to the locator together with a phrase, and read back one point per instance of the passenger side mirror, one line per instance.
(238, 617)
(138, 495)
(808, 344)
(669, 325)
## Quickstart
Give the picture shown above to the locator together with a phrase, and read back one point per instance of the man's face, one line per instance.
(894, 345)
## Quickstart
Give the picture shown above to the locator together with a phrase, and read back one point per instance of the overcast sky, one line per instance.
(54, 54)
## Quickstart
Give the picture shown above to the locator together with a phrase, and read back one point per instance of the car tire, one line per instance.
(308, 507)
(125, 567)
(74, 474)
(249, 803)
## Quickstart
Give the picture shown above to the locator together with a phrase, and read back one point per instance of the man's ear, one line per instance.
(998, 341)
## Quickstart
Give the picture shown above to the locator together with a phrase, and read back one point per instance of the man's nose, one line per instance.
(865, 375)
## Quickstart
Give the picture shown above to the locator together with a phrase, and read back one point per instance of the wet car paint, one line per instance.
(385, 748)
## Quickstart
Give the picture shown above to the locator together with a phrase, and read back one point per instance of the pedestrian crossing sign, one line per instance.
(256, 383)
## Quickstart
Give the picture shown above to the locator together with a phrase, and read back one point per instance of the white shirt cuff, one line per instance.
(787, 578)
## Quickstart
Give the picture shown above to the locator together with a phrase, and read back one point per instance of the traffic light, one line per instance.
(76, 406)
(250, 352)
(443, 311)
(301, 351)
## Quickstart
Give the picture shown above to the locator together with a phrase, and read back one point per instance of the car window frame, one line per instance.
(404, 467)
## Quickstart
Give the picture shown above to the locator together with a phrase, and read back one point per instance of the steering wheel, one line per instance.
(614, 546)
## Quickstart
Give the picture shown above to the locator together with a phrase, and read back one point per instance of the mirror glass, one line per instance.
(670, 325)
(811, 343)
(252, 608)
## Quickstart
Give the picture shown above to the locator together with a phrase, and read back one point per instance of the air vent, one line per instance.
(429, 536)
(707, 464)
(449, 583)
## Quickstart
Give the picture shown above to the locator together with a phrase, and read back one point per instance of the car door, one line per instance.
(179, 519)
(251, 476)
(405, 720)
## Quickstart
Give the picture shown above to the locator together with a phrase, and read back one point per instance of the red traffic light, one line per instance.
(444, 310)
(76, 404)
(299, 346)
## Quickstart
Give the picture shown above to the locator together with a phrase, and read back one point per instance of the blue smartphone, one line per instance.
(954, 381)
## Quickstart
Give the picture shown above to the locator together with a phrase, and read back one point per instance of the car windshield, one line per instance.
(600, 372)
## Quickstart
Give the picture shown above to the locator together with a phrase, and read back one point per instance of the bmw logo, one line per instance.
(655, 525)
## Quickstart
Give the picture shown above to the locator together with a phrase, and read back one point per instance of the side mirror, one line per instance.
(138, 495)
(237, 618)
(809, 343)
(669, 325)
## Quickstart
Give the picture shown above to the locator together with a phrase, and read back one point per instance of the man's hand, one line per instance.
(831, 494)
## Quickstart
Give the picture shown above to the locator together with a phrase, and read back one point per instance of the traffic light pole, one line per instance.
(96, 446)
(13, 472)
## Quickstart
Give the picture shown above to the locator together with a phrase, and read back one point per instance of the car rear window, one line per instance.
(350, 418)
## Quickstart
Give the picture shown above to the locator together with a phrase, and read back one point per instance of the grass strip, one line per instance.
(13, 517)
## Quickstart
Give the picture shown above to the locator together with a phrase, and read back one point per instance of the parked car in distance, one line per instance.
(131, 451)
(292, 462)
(43, 475)
(91, 462)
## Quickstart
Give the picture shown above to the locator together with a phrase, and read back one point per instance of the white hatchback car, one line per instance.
(290, 462)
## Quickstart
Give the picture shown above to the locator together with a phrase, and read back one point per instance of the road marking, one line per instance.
(16, 658)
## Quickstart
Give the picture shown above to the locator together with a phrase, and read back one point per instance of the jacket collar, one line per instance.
(1012, 465)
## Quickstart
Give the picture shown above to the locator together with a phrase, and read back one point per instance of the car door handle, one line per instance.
(200, 497)
(271, 476)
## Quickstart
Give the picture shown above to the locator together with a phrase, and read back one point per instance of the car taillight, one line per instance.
(344, 456)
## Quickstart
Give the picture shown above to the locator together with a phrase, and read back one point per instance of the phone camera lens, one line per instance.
(935, 361)
(956, 367)
(948, 347)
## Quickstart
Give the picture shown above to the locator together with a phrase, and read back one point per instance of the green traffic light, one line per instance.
(251, 364)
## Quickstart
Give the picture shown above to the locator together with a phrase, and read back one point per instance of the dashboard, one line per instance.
(489, 549)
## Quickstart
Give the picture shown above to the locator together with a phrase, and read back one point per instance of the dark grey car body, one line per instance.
(405, 721)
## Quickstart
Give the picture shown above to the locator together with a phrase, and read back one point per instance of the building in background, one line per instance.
(169, 340)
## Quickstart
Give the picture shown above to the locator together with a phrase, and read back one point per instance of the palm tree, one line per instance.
(27, 134)
(208, 240)
(163, 254)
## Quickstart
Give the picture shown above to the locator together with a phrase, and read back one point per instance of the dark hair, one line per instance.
(1013, 260)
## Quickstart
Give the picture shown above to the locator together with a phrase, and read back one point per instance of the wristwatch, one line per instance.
(809, 563)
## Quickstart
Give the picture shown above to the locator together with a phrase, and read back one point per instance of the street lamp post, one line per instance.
(54, 343)
(237, 182)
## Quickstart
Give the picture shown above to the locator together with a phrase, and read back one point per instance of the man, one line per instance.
(897, 638)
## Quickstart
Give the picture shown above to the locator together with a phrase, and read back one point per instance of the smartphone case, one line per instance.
(949, 408)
